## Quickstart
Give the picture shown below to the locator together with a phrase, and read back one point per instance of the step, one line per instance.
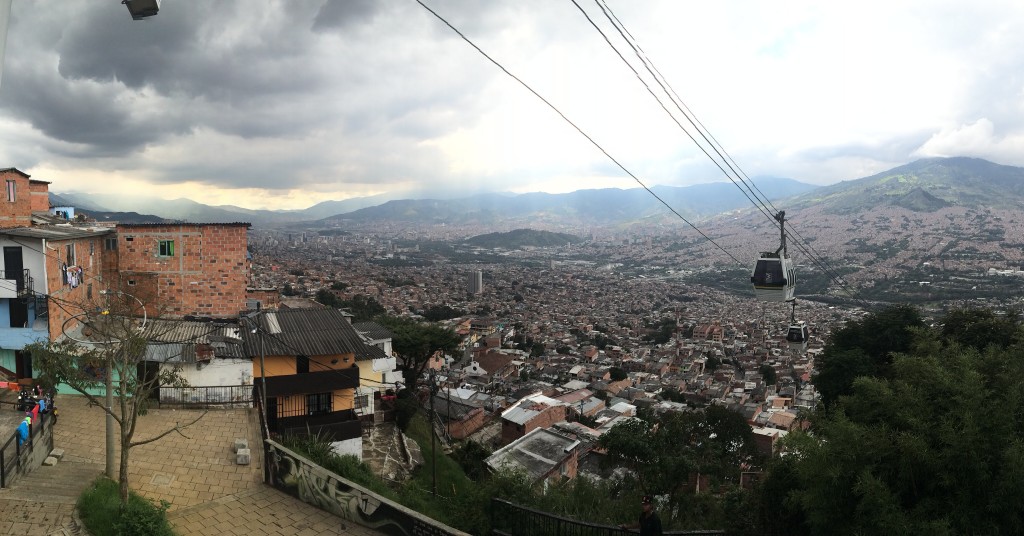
(60, 484)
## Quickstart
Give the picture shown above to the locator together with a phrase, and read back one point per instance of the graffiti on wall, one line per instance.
(314, 485)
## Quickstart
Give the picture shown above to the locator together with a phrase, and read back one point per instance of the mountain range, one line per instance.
(921, 186)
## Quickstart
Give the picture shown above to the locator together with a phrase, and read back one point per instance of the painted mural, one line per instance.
(314, 485)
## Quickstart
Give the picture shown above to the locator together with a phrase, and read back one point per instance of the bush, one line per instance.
(102, 513)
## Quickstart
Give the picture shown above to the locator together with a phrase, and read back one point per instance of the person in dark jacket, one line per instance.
(649, 522)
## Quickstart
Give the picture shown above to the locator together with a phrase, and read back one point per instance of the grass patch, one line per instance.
(102, 514)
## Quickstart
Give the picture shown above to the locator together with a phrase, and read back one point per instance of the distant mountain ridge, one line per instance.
(609, 205)
(925, 186)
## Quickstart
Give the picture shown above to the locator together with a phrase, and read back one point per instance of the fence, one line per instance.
(221, 396)
(508, 519)
(17, 458)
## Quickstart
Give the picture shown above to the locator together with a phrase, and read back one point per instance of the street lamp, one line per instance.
(263, 370)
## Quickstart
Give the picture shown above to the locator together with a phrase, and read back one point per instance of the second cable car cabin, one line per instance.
(797, 336)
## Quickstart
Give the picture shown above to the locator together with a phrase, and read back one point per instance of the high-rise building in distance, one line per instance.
(476, 282)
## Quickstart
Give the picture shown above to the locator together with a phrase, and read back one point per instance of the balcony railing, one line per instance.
(219, 396)
(508, 519)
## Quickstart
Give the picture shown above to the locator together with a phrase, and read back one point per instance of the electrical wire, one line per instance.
(747, 183)
(577, 128)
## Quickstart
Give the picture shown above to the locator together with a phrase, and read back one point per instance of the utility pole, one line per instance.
(433, 434)
(110, 416)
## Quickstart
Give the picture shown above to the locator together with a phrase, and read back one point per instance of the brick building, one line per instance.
(187, 269)
(530, 413)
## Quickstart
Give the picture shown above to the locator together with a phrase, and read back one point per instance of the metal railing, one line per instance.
(14, 455)
(204, 397)
(508, 519)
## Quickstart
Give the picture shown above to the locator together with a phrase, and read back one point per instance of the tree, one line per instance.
(617, 374)
(979, 328)
(116, 348)
(328, 298)
(768, 373)
(415, 342)
(363, 308)
(864, 348)
(714, 441)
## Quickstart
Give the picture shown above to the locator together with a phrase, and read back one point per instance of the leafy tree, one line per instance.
(714, 441)
(339, 285)
(289, 290)
(537, 349)
(116, 349)
(979, 328)
(768, 373)
(563, 349)
(328, 298)
(363, 308)
(617, 374)
(437, 313)
(864, 348)
(415, 342)
(933, 448)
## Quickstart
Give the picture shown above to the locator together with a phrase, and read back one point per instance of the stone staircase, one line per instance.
(43, 501)
(58, 484)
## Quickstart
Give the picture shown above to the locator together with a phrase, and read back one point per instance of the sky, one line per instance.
(284, 104)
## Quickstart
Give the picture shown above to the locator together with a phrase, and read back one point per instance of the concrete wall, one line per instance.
(31, 454)
(312, 484)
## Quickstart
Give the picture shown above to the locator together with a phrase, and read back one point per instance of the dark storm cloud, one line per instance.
(343, 15)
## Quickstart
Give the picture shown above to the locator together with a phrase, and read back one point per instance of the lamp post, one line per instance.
(263, 369)
(109, 469)
(433, 434)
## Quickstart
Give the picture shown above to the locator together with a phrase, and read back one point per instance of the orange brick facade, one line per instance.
(16, 213)
(40, 196)
(511, 431)
(74, 279)
(185, 269)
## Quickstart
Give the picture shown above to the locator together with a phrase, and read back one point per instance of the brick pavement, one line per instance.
(196, 473)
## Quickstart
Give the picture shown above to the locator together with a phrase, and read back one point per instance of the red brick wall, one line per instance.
(18, 213)
(511, 431)
(471, 423)
(40, 196)
(206, 276)
(65, 300)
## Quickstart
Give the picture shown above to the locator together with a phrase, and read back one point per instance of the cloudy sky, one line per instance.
(284, 104)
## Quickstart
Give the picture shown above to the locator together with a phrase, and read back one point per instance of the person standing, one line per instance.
(649, 522)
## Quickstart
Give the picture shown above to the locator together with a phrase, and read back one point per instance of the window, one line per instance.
(110, 244)
(362, 401)
(318, 403)
(88, 291)
(167, 248)
(301, 364)
(92, 247)
(70, 255)
(11, 197)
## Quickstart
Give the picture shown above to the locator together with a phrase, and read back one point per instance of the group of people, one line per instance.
(42, 405)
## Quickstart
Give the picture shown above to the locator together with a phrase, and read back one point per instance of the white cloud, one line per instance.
(283, 104)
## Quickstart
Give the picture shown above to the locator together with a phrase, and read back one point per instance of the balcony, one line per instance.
(15, 284)
(311, 382)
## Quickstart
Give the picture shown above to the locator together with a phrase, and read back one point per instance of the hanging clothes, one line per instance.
(22, 433)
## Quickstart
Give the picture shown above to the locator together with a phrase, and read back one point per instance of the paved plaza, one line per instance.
(194, 470)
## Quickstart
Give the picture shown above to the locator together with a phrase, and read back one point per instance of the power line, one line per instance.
(705, 134)
(578, 129)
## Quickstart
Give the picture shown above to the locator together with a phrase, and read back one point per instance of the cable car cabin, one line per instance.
(774, 278)
(797, 336)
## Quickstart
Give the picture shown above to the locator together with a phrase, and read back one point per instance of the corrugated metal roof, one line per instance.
(312, 332)
(183, 224)
(57, 232)
(176, 341)
(373, 331)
